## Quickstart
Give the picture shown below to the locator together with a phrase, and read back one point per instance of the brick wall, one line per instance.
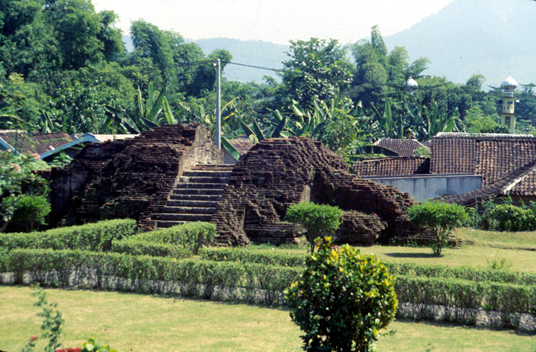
(128, 178)
(277, 173)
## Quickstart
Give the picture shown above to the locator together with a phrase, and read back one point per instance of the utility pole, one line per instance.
(218, 104)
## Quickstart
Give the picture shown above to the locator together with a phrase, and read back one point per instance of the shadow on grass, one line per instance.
(411, 255)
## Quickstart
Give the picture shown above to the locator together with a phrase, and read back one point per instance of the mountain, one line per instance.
(250, 52)
(495, 38)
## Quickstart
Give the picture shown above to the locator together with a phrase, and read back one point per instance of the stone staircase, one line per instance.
(196, 195)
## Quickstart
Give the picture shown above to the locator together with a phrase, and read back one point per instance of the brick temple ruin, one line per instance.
(174, 173)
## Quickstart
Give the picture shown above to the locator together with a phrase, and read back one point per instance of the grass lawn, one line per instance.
(480, 248)
(130, 322)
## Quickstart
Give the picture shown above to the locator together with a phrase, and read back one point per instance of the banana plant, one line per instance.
(145, 115)
(427, 124)
(256, 135)
(8, 118)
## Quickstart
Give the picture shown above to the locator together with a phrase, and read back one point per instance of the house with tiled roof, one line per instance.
(49, 144)
(397, 166)
(505, 163)
(403, 147)
(40, 143)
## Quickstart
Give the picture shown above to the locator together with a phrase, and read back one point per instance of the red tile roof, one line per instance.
(492, 156)
(404, 147)
(38, 143)
(392, 166)
(520, 182)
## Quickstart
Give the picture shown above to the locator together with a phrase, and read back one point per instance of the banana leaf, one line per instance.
(230, 148)
(247, 131)
(157, 107)
(168, 113)
(277, 132)
(258, 132)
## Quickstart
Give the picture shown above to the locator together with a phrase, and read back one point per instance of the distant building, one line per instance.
(507, 113)
(47, 145)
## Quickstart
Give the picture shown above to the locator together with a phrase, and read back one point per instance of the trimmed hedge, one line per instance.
(95, 237)
(138, 247)
(259, 256)
(506, 298)
(192, 235)
(250, 277)
(463, 273)
(268, 257)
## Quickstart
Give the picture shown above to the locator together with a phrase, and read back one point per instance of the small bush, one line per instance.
(342, 299)
(315, 218)
(508, 217)
(192, 235)
(440, 218)
(31, 210)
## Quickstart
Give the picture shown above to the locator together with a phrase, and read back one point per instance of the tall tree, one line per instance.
(316, 70)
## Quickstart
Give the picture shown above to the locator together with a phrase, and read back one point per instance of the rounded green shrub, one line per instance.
(440, 218)
(508, 217)
(315, 218)
(342, 300)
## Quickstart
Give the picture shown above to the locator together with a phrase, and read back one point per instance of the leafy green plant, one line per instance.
(499, 264)
(508, 217)
(17, 181)
(342, 300)
(440, 218)
(315, 218)
(32, 210)
(52, 323)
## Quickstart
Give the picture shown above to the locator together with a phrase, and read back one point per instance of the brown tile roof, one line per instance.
(243, 144)
(492, 156)
(35, 142)
(404, 147)
(520, 182)
(392, 166)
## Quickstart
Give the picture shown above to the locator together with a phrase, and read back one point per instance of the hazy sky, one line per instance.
(276, 21)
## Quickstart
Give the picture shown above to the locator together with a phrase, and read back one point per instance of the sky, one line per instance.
(276, 21)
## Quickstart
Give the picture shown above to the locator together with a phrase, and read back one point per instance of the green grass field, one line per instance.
(477, 251)
(130, 322)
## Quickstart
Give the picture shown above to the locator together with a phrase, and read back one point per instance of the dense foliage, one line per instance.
(19, 186)
(342, 300)
(65, 68)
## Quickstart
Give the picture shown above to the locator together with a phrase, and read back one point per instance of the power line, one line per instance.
(297, 73)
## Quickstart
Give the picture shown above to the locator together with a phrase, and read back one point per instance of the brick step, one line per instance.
(189, 210)
(200, 191)
(195, 197)
(201, 173)
(164, 224)
(192, 203)
(213, 166)
(205, 179)
(200, 185)
(183, 217)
